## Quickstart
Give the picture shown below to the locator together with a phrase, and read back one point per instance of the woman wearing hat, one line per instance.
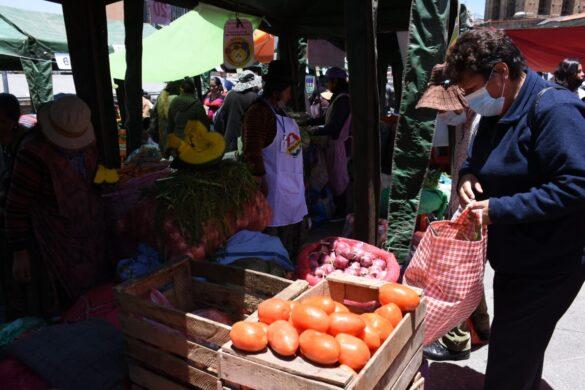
(53, 214)
(337, 126)
(273, 148)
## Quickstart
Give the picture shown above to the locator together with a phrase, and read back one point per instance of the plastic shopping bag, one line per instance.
(449, 265)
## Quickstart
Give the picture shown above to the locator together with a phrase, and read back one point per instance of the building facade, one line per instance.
(508, 9)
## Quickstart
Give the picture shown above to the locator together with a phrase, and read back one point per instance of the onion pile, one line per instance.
(342, 255)
(140, 224)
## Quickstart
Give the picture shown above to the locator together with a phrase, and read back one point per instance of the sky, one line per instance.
(476, 6)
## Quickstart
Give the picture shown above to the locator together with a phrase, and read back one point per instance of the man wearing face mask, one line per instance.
(526, 174)
(455, 126)
(273, 149)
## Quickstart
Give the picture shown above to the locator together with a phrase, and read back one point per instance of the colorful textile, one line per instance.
(449, 265)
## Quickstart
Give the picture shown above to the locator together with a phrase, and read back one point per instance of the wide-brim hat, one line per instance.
(66, 122)
(440, 95)
(246, 80)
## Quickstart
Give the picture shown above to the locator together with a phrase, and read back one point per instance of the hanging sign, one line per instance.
(63, 61)
(160, 13)
(238, 44)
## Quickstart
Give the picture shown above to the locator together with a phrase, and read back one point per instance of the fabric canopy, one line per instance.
(191, 45)
(545, 48)
(263, 46)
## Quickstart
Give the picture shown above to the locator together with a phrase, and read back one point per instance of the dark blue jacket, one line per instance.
(535, 181)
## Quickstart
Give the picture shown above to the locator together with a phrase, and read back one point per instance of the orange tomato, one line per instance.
(319, 347)
(264, 327)
(371, 337)
(348, 323)
(273, 309)
(340, 308)
(391, 312)
(353, 352)
(309, 317)
(248, 336)
(283, 338)
(406, 298)
(379, 324)
(321, 302)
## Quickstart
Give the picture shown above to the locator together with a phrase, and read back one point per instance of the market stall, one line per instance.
(208, 209)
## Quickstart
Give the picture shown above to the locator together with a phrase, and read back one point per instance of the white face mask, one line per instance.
(482, 103)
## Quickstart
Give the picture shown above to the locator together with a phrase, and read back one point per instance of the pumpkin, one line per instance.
(200, 146)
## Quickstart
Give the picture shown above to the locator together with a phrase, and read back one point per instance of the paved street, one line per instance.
(564, 362)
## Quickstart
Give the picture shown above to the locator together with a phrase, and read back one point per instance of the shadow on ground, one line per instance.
(448, 376)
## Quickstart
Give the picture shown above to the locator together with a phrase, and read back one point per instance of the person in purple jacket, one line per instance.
(526, 174)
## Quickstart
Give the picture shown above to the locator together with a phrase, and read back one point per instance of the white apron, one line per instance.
(283, 163)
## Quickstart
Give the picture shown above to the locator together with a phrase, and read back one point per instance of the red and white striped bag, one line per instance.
(449, 265)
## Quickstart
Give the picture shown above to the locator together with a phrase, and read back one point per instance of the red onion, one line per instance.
(328, 268)
(364, 272)
(380, 263)
(382, 275)
(351, 271)
(341, 248)
(327, 259)
(319, 272)
(340, 262)
(355, 265)
(374, 273)
(367, 260)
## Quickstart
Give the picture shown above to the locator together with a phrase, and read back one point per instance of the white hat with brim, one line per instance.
(246, 80)
(66, 122)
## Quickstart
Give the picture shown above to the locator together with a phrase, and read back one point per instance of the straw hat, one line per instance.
(440, 95)
(66, 122)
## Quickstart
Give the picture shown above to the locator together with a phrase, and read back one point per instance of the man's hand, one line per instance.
(484, 207)
(21, 267)
(468, 187)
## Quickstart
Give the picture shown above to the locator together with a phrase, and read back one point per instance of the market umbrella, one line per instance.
(263, 46)
(191, 45)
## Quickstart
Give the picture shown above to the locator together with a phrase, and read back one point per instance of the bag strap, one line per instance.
(532, 110)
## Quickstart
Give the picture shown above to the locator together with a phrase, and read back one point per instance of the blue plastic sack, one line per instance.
(144, 263)
(249, 244)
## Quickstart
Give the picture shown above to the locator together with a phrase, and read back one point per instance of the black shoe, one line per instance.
(438, 352)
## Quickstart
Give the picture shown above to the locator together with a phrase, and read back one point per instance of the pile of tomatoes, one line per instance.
(325, 331)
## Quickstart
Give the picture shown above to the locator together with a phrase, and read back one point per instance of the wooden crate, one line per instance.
(170, 348)
(393, 366)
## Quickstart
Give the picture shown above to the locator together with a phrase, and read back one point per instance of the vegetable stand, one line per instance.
(393, 366)
(168, 347)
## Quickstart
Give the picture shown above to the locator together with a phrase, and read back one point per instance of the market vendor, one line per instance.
(337, 126)
(273, 149)
(526, 174)
(455, 126)
(54, 216)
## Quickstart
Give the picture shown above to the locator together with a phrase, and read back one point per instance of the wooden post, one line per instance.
(288, 52)
(87, 37)
(133, 23)
(360, 26)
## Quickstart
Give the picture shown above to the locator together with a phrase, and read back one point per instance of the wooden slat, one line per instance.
(418, 384)
(386, 355)
(200, 356)
(251, 281)
(258, 376)
(150, 380)
(157, 279)
(213, 332)
(226, 298)
(321, 288)
(173, 366)
(409, 372)
(288, 294)
(412, 350)
(183, 286)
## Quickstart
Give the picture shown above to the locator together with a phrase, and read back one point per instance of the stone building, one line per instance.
(508, 9)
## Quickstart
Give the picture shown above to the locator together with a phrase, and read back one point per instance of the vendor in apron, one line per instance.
(337, 126)
(273, 149)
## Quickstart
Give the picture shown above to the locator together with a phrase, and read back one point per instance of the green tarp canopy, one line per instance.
(29, 40)
(191, 45)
